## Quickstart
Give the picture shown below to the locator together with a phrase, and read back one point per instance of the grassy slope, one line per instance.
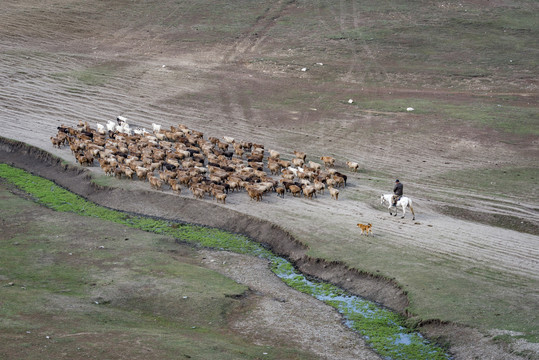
(141, 295)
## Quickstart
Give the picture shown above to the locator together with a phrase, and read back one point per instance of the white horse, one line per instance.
(403, 201)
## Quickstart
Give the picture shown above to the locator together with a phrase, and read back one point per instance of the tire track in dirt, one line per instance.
(348, 20)
(256, 34)
(492, 204)
(53, 95)
(245, 46)
(504, 250)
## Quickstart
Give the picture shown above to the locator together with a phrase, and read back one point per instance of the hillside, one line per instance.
(281, 73)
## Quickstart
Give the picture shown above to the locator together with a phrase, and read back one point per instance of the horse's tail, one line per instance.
(411, 208)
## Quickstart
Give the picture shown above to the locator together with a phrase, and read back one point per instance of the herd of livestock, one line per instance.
(180, 157)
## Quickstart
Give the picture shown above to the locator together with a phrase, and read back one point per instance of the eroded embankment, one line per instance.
(168, 206)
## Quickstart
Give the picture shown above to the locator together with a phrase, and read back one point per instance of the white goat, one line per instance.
(111, 125)
(294, 170)
(124, 128)
(100, 129)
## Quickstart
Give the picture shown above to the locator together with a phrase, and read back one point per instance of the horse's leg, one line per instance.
(413, 214)
(403, 211)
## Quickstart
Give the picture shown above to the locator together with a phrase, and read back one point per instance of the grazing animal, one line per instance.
(110, 125)
(155, 182)
(295, 190)
(365, 229)
(308, 191)
(141, 173)
(254, 194)
(175, 186)
(274, 154)
(128, 172)
(404, 202)
(315, 166)
(319, 186)
(354, 166)
(221, 197)
(121, 120)
(56, 142)
(197, 193)
(274, 168)
(338, 174)
(101, 129)
(297, 162)
(334, 192)
(339, 181)
(84, 159)
(328, 161)
(300, 155)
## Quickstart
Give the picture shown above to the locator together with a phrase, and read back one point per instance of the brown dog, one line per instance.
(365, 229)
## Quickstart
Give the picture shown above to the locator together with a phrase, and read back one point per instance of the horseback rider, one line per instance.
(397, 191)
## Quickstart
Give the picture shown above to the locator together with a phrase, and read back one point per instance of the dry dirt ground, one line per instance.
(64, 61)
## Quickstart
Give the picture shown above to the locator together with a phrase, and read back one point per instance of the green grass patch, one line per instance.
(55, 197)
(97, 75)
(501, 182)
(506, 118)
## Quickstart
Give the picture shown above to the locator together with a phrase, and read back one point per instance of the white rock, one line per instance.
(410, 109)
(303, 69)
(350, 101)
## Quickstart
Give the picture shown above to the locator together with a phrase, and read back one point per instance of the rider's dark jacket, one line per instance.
(397, 189)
